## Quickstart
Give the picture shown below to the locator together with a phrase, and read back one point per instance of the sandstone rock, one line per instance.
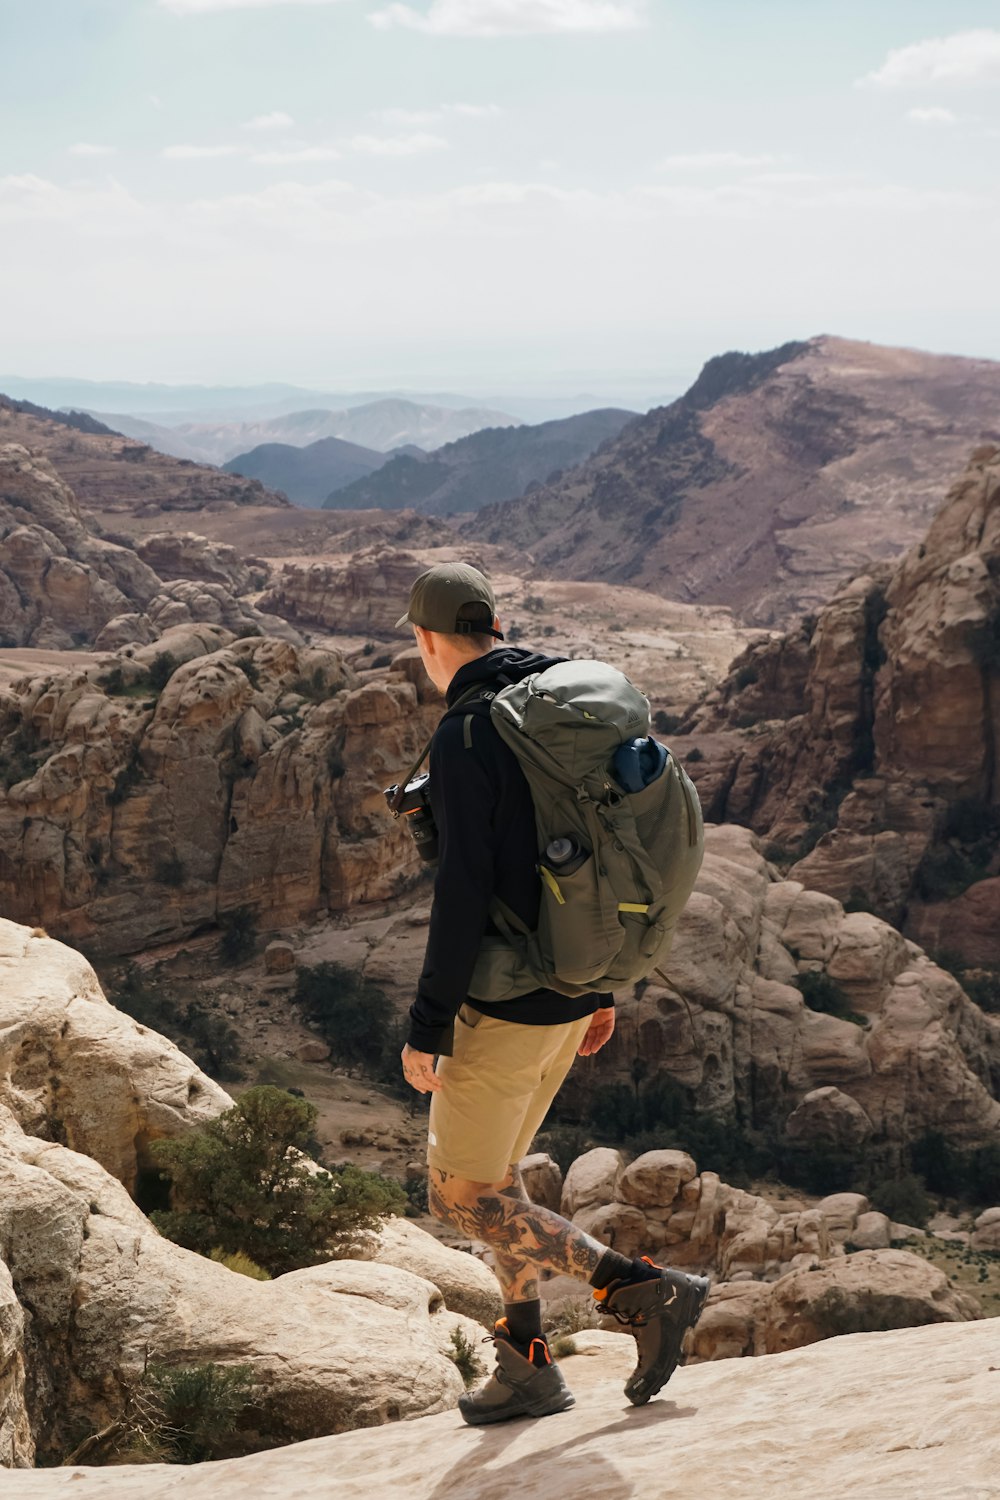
(468, 1287)
(17, 1449)
(619, 1226)
(936, 1436)
(590, 1181)
(828, 1114)
(842, 1212)
(869, 1291)
(543, 1179)
(654, 1179)
(183, 554)
(873, 1231)
(312, 1052)
(279, 957)
(357, 595)
(904, 1233)
(75, 1070)
(731, 1326)
(986, 1235)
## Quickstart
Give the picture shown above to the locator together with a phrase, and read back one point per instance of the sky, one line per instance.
(490, 194)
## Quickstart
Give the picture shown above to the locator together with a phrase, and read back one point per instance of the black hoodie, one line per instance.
(488, 845)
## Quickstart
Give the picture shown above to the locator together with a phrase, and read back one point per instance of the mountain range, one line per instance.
(772, 479)
(385, 424)
(307, 475)
(494, 464)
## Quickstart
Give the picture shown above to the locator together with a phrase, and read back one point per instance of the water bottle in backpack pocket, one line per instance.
(578, 921)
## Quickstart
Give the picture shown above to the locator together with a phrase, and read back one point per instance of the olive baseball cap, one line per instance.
(438, 595)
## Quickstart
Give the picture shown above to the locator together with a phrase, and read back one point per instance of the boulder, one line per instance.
(841, 1212)
(829, 1115)
(279, 957)
(543, 1180)
(986, 1234)
(654, 1179)
(17, 1448)
(590, 1181)
(468, 1287)
(867, 1292)
(872, 1231)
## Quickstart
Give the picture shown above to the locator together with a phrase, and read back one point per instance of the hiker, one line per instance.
(504, 1042)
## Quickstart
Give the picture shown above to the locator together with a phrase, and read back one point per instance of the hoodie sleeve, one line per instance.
(464, 797)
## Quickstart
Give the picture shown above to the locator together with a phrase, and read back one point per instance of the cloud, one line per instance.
(964, 57)
(276, 120)
(396, 145)
(484, 18)
(85, 148)
(932, 116)
(198, 153)
(713, 161)
(202, 7)
(296, 155)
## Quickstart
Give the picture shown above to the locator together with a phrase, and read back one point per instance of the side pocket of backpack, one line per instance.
(578, 922)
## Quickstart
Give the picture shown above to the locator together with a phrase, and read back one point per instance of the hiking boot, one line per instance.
(658, 1311)
(522, 1385)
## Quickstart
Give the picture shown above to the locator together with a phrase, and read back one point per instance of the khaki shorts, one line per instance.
(497, 1088)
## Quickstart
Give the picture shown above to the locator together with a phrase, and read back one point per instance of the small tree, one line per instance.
(241, 1183)
(350, 1013)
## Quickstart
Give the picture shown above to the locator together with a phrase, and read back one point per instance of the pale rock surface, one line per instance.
(16, 1445)
(468, 1286)
(873, 1231)
(722, 1429)
(828, 1114)
(986, 1235)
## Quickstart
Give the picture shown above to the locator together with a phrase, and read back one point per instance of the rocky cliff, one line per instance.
(772, 479)
(153, 791)
(62, 585)
(864, 744)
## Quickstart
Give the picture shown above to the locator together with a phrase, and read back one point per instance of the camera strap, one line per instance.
(470, 693)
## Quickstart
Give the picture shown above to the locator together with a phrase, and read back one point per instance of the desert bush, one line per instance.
(902, 1199)
(206, 1038)
(821, 993)
(665, 723)
(239, 935)
(350, 1013)
(240, 1263)
(465, 1357)
(415, 1189)
(241, 1184)
(161, 669)
(564, 1143)
(746, 676)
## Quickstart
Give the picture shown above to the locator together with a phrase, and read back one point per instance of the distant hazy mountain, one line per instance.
(168, 405)
(496, 464)
(163, 439)
(307, 475)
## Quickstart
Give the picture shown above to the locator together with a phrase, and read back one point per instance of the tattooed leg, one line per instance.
(522, 1235)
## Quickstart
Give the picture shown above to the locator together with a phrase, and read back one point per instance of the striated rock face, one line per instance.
(88, 1289)
(774, 477)
(361, 594)
(177, 555)
(874, 747)
(733, 1028)
(136, 812)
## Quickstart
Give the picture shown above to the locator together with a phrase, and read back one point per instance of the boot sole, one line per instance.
(563, 1402)
(696, 1297)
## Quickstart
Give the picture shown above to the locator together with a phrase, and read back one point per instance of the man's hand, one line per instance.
(602, 1024)
(418, 1070)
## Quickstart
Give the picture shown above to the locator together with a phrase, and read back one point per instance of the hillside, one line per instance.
(775, 477)
(116, 474)
(487, 466)
(307, 475)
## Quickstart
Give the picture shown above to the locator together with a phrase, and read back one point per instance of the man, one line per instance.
(500, 1064)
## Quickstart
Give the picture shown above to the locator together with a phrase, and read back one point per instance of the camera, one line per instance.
(413, 803)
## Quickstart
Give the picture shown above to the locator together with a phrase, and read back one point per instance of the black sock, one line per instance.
(614, 1267)
(524, 1320)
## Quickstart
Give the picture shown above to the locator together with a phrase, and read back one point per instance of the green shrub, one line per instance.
(239, 937)
(19, 755)
(240, 1263)
(250, 669)
(465, 1357)
(199, 1407)
(126, 779)
(694, 754)
(564, 1143)
(161, 669)
(819, 1167)
(313, 688)
(904, 1200)
(350, 1013)
(821, 993)
(665, 723)
(240, 1184)
(415, 1189)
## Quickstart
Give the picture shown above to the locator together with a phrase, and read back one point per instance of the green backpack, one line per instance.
(612, 920)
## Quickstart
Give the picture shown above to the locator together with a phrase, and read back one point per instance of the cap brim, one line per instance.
(403, 620)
